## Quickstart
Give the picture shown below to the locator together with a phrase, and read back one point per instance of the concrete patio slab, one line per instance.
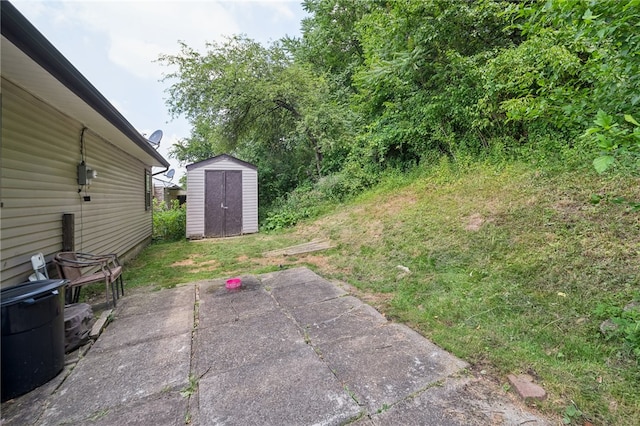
(109, 378)
(295, 388)
(388, 364)
(287, 277)
(304, 293)
(340, 318)
(167, 408)
(217, 305)
(244, 342)
(157, 301)
(217, 286)
(126, 331)
(462, 401)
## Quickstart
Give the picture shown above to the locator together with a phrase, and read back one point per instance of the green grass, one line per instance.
(170, 263)
(509, 268)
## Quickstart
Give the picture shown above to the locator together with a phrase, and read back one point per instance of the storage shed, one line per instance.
(222, 197)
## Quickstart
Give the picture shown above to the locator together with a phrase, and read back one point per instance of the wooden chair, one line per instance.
(86, 268)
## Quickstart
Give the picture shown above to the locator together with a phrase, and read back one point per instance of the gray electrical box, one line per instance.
(82, 174)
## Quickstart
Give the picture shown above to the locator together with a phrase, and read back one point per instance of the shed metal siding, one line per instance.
(39, 154)
(196, 190)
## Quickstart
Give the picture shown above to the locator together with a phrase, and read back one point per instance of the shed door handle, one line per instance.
(223, 206)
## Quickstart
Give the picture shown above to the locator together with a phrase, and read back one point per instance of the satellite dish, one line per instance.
(155, 138)
(170, 173)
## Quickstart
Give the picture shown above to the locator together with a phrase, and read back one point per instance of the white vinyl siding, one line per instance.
(40, 152)
(196, 191)
(195, 203)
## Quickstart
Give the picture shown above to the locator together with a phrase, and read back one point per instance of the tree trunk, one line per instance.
(314, 141)
(317, 152)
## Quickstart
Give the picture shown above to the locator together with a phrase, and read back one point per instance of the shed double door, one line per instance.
(223, 203)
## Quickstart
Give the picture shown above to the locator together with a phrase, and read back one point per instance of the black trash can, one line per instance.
(32, 335)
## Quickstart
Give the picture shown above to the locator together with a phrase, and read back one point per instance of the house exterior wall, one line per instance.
(158, 193)
(40, 152)
(166, 195)
(196, 191)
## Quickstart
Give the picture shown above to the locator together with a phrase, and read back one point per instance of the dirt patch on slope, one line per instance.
(192, 261)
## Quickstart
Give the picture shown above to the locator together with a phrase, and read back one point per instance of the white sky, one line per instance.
(114, 45)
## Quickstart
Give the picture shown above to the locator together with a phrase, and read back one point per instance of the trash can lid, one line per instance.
(29, 289)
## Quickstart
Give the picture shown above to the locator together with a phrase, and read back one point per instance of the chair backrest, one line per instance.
(67, 270)
(39, 265)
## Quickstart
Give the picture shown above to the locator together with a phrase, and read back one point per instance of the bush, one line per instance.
(169, 223)
(284, 218)
(306, 201)
(310, 200)
(301, 203)
(351, 181)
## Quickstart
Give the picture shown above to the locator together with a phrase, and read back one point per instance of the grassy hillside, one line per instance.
(511, 268)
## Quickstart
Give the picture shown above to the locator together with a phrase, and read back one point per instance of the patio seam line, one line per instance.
(416, 394)
(194, 398)
(316, 349)
(364, 412)
(47, 402)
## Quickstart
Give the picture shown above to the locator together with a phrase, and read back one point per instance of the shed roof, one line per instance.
(217, 158)
(32, 62)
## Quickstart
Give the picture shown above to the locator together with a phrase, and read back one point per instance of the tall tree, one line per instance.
(420, 80)
(602, 40)
(253, 101)
(330, 42)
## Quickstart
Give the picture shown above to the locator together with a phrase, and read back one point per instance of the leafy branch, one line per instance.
(616, 141)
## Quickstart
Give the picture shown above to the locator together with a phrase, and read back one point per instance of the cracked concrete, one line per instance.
(289, 348)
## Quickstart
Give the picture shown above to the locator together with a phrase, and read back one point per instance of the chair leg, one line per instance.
(114, 290)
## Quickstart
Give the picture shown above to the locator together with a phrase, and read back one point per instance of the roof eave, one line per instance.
(219, 158)
(20, 32)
